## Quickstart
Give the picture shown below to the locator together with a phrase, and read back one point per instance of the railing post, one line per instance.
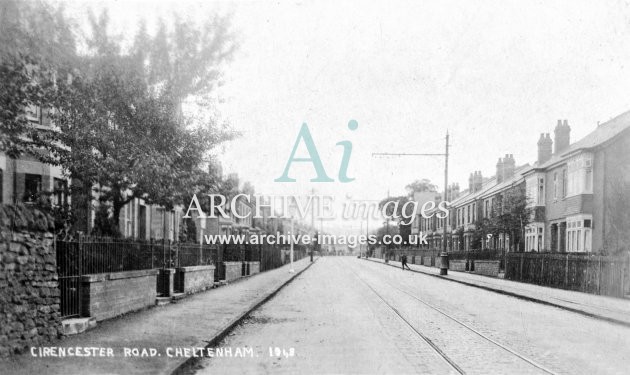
(566, 272)
(200, 262)
(599, 274)
(542, 269)
(585, 288)
(170, 251)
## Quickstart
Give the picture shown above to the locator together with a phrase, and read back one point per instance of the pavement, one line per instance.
(350, 316)
(196, 321)
(615, 310)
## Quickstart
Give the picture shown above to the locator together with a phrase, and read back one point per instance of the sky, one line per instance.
(494, 74)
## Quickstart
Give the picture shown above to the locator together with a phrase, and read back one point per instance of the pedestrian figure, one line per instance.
(404, 263)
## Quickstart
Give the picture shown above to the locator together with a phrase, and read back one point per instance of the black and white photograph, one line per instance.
(195, 187)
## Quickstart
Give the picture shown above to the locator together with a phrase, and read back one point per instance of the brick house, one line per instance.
(23, 179)
(577, 189)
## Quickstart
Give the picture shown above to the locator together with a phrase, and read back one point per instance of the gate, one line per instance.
(70, 272)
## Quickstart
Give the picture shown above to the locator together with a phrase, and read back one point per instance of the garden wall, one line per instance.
(107, 295)
(194, 279)
(487, 267)
(253, 268)
(233, 270)
(29, 294)
(457, 265)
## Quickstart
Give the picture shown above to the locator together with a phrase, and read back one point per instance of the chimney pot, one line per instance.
(544, 148)
(562, 134)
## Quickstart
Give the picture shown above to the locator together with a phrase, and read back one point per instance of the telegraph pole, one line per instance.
(312, 220)
(443, 255)
(443, 270)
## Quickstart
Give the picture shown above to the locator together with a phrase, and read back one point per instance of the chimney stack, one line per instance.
(509, 165)
(544, 148)
(455, 191)
(500, 171)
(562, 135)
(470, 183)
(477, 181)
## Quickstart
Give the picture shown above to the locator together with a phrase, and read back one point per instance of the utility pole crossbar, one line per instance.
(404, 154)
(443, 271)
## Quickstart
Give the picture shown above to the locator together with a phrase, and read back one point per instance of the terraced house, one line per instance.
(25, 179)
(577, 196)
(579, 191)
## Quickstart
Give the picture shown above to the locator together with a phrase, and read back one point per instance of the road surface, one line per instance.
(346, 315)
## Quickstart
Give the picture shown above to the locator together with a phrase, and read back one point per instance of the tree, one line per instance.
(124, 133)
(36, 49)
(395, 208)
(510, 215)
(419, 186)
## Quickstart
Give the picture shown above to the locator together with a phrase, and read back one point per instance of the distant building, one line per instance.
(578, 193)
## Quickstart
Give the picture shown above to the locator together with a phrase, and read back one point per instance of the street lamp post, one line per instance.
(291, 244)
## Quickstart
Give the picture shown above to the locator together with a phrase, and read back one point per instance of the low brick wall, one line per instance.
(233, 270)
(194, 279)
(427, 261)
(29, 293)
(254, 268)
(457, 265)
(487, 267)
(107, 295)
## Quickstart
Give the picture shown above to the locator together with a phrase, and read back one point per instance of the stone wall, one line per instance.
(29, 293)
(107, 295)
(233, 270)
(487, 267)
(194, 279)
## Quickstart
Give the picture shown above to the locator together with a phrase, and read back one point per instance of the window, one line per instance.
(34, 114)
(555, 185)
(564, 183)
(578, 236)
(580, 175)
(588, 183)
(60, 192)
(126, 216)
(541, 191)
(32, 187)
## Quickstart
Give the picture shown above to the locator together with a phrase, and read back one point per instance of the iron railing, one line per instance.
(584, 272)
(92, 255)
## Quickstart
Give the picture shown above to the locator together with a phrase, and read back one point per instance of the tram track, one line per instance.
(443, 352)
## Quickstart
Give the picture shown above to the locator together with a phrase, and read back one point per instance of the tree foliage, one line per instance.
(420, 186)
(132, 119)
(36, 46)
(509, 215)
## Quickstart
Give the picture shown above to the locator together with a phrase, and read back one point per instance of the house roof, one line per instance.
(602, 134)
(490, 187)
(517, 177)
